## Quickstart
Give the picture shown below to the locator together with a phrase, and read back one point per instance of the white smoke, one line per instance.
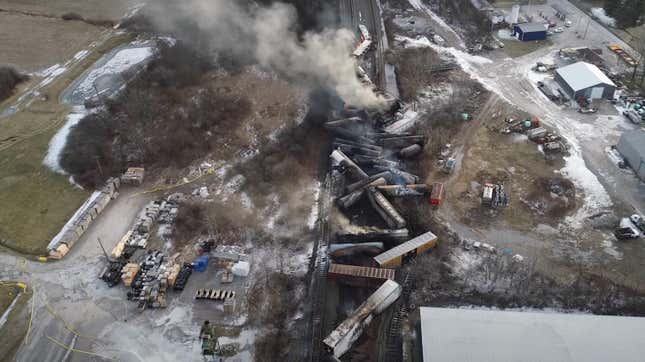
(267, 35)
(600, 14)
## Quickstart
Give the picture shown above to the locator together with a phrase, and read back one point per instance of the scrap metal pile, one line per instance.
(156, 274)
(550, 143)
(149, 274)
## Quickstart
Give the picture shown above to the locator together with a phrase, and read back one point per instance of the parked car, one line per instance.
(588, 110)
(558, 30)
(568, 23)
(633, 116)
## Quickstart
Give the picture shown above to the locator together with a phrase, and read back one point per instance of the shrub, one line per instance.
(9, 79)
(71, 16)
(191, 221)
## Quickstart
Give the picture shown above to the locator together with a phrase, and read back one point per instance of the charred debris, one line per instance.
(367, 163)
(368, 170)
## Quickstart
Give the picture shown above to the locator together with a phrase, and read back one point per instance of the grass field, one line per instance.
(96, 9)
(13, 332)
(37, 202)
(516, 48)
(32, 43)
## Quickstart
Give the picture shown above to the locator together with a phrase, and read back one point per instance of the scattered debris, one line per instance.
(133, 176)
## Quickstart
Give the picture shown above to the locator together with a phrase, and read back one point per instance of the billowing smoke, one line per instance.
(267, 36)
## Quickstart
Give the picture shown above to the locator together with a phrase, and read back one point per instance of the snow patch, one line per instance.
(595, 195)
(420, 6)
(120, 62)
(58, 142)
(81, 55)
(609, 248)
(313, 216)
(421, 42)
(51, 74)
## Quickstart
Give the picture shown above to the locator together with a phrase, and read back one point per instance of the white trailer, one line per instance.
(340, 340)
(365, 43)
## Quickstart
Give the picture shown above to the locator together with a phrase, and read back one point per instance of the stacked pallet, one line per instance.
(129, 272)
(214, 294)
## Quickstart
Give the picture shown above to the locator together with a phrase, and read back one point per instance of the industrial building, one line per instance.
(494, 335)
(584, 80)
(632, 147)
(530, 31)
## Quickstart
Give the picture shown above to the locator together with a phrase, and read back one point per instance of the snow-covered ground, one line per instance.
(57, 143)
(596, 197)
(420, 6)
(108, 75)
(118, 64)
(313, 216)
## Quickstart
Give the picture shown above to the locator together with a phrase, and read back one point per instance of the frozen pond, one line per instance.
(110, 73)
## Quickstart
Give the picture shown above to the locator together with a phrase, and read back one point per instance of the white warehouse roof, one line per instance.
(583, 75)
(532, 27)
(501, 336)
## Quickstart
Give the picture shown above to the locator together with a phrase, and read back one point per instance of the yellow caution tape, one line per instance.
(31, 314)
(69, 348)
(207, 172)
(51, 311)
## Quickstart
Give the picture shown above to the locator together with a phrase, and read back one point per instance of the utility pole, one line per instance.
(99, 165)
(104, 252)
(528, 11)
(587, 29)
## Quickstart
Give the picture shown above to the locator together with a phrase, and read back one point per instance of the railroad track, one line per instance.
(377, 31)
(392, 348)
(318, 290)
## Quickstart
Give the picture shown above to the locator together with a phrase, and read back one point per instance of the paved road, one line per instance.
(589, 136)
(71, 286)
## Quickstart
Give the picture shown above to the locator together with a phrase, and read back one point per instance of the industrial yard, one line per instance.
(317, 181)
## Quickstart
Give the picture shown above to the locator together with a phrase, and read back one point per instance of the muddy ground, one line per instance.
(556, 266)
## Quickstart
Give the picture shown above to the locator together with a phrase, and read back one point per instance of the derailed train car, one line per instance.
(340, 340)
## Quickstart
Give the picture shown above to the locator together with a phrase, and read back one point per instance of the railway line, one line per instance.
(351, 14)
(367, 12)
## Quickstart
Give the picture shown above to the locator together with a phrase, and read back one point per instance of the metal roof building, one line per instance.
(530, 31)
(495, 336)
(585, 80)
(632, 147)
